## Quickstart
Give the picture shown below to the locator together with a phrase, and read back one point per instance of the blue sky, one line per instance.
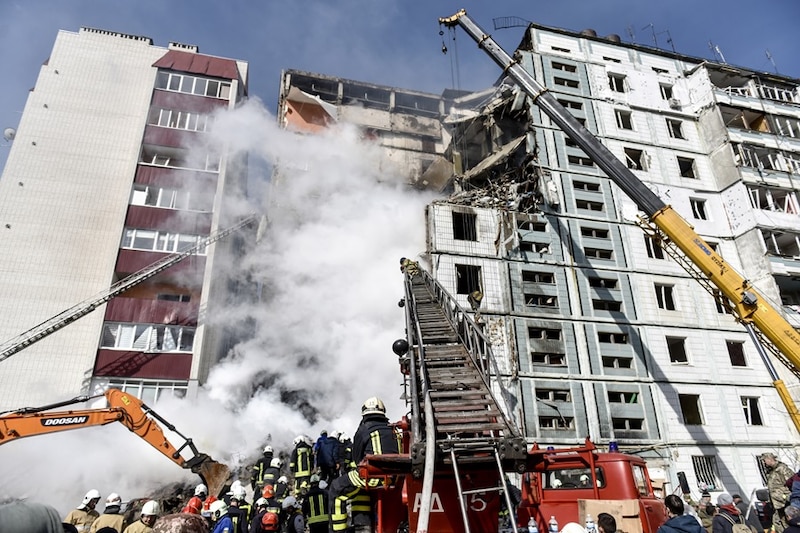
(384, 42)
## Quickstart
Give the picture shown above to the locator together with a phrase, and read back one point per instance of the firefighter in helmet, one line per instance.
(147, 519)
(85, 514)
(374, 436)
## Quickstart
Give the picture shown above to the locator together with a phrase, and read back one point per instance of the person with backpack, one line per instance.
(728, 519)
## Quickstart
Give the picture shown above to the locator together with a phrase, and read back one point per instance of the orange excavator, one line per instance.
(125, 409)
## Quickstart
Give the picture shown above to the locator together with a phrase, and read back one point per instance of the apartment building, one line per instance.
(599, 332)
(110, 171)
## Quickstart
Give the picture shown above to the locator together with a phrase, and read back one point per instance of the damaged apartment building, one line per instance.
(601, 334)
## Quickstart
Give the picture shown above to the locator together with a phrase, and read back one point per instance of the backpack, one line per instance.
(739, 527)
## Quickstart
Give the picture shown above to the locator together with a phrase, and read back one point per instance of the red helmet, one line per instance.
(193, 507)
(268, 492)
(269, 522)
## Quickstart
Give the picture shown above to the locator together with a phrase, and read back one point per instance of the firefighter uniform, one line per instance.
(315, 507)
(374, 436)
(301, 465)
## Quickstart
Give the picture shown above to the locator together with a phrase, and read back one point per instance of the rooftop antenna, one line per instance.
(655, 35)
(510, 22)
(771, 60)
(717, 52)
(631, 34)
(653, 29)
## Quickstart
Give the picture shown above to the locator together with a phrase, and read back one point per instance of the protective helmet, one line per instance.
(93, 494)
(267, 449)
(150, 508)
(276, 463)
(113, 499)
(308, 440)
(297, 440)
(218, 509)
(323, 484)
(289, 502)
(314, 479)
(193, 507)
(283, 480)
(269, 522)
(261, 502)
(342, 436)
(323, 433)
(268, 491)
(200, 489)
(239, 493)
(373, 406)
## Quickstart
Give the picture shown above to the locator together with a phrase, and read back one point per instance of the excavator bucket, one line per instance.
(215, 475)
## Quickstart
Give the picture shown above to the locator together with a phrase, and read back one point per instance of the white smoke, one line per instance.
(340, 217)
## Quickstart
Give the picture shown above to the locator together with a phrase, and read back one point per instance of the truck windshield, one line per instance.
(572, 478)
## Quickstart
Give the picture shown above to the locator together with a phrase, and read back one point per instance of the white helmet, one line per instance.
(373, 406)
(323, 484)
(298, 439)
(200, 489)
(283, 479)
(289, 502)
(150, 508)
(308, 440)
(276, 463)
(93, 494)
(218, 509)
(261, 502)
(268, 449)
(239, 493)
(113, 499)
(343, 436)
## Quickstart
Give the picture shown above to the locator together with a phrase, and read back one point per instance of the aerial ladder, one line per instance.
(66, 317)
(765, 324)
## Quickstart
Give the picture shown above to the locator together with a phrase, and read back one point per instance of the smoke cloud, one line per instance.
(322, 311)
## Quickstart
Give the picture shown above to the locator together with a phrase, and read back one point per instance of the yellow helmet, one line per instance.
(373, 406)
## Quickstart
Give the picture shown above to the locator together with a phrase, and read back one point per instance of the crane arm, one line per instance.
(125, 409)
(749, 306)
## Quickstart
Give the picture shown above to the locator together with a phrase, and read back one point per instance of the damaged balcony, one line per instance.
(765, 159)
(738, 84)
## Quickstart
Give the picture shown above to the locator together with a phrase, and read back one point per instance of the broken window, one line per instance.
(616, 361)
(612, 338)
(624, 119)
(736, 353)
(558, 423)
(664, 297)
(787, 126)
(623, 397)
(690, 408)
(686, 167)
(773, 199)
(465, 226)
(367, 96)
(675, 128)
(635, 159)
(781, 243)
(779, 94)
(564, 67)
(535, 247)
(548, 359)
(589, 206)
(746, 119)
(551, 334)
(532, 276)
(752, 415)
(554, 395)
(653, 247)
(665, 90)
(585, 186)
(617, 83)
(698, 208)
(660, 70)
(627, 424)
(468, 278)
(531, 225)
(603, 283)
(570, 104)
(564, 82)
(676, 346)
(583, 161)
(416, 104)
(606, 305)
(596, 233)
(540, 300)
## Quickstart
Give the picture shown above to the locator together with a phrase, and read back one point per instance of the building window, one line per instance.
(583, 161)
(553, 395)
(147, 337)
(170, 81)
(534, 247)
(150, 392)
(612, 338)
(550, 334)
(183, 298)
(610, 361)
(698, 208)
(595, 233)
(617, 83)
(676, 346)
(627, 424)
(603, 283)
(598, 253)
(465, 226)
(705, 470)
(782, 243)
(182, 120)
(532, 225)
(635, 159)
(468, 279)
(540, 300)
(653, 247)
(548, 359)
(675, 128)
(564, 82)
(160, 241)
(752, 414)
(589, 206)
(686, 167)
(564, 67)
(532, 276)
(606, 305)
(585, 186)
(558, 423)
(665, 90)
(736, 353)
(624, 119)
(152, 196)
(664, 297)
(623, 397)
(690, 408)
(571, 104)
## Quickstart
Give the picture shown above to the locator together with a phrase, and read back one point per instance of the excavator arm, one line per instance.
(125, 409)
(749, 307)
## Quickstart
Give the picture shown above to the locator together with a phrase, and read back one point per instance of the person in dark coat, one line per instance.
(327, 455)
(679, 522)
(727, 516)
(792, 514)
(751, 519)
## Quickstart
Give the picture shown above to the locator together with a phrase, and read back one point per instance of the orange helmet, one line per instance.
(193, 507)
(268, 492)
(269, 522)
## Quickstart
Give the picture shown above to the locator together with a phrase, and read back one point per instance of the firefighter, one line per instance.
(374, 436)
(147, 518)
(301, 463)
(219, 515)
(111, 517)
(239, 510)
(195, 503)
(272, 473)
(345, 455)
(84, 515)
(293, 521)
(315, 506)
(257, 481)
(407, 265)
(269, 522)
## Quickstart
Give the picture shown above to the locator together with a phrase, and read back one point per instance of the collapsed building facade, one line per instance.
(599, 332)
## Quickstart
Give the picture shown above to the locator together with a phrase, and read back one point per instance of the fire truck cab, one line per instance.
(570, 483)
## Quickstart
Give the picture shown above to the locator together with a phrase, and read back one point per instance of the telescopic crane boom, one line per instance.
(747, 304)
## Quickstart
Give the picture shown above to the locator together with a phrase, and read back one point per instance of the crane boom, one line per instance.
(748, 305)
(53, 324)
(125, 409)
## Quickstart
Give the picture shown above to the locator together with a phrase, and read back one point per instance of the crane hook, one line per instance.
(444, 46)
